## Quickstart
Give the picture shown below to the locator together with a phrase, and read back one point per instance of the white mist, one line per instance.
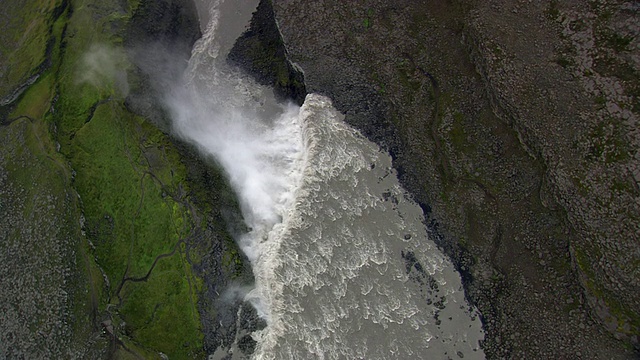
(328, 229)
(257, 141)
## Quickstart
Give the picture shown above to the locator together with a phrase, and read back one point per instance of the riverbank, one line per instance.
(453, 99)
(116, 236)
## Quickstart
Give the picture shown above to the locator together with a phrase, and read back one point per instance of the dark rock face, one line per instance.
(40, 270)
(173, 23)
(226, 319)
(261, 52)
(159, 39)
(482, 124)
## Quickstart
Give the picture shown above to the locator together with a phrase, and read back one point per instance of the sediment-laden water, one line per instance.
(343, 265)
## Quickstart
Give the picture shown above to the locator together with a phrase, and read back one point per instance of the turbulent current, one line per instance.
(342, 262)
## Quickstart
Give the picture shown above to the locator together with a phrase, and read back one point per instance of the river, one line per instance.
(343, 264)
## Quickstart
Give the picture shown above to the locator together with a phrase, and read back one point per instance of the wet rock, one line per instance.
(261, 52)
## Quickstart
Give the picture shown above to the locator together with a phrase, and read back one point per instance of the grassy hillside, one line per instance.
(98, 204)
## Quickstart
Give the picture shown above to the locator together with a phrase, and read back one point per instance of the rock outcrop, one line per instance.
(513, 125)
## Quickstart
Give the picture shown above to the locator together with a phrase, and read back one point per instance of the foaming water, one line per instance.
(341, 258)
(356, 275)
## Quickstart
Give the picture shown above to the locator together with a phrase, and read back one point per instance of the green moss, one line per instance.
(136, 195)
(621, 314)
(379, 83)
(132, 184)
(608, 65)
(622, 185)
(366, 22)
(563, 61)
(404, 70)
(582, 188)
(498, 52)
(24, 40)
(36, 100)
(617, 42)
(578, 25)
(582, 260)
(575, 305)
(600, 101)
(161, 312)
(116, 181)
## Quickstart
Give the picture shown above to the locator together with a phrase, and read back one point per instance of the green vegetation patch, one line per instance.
(135, 216)
(150, 307)
(618, 42)
(552, 10)
(132, 185)
(23, 40)
(37, 99)
(366, 23)
(119, 187)
(457, 134)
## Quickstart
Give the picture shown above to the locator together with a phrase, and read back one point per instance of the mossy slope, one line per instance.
(129, 217)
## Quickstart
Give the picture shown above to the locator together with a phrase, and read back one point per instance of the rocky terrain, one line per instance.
(514, 125)
(42, 273)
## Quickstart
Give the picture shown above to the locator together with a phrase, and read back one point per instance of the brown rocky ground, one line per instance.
(513, 125)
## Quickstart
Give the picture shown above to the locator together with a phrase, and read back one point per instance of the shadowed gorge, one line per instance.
(494, 114)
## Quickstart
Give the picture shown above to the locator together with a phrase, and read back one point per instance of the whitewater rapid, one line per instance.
(342, 262)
